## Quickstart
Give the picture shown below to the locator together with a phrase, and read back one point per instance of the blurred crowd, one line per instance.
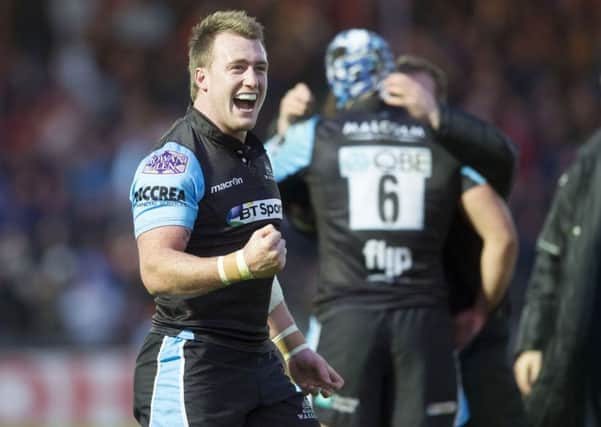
(88, 86)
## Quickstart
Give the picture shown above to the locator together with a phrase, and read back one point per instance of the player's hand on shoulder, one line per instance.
(313, 374)
(265, 252)
(296, 104)
(401, 90)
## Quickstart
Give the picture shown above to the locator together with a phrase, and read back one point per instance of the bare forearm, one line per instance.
(283, 330)
(279, 319)
(167, 271)
(497, 266)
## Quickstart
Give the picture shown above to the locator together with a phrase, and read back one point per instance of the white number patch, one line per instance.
(386, 186)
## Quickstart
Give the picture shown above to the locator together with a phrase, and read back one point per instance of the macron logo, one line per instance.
(227, 184)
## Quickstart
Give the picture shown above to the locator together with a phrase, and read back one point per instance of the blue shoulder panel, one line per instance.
(166, 189)
(473, 175)
(292, 154)
(470, 178)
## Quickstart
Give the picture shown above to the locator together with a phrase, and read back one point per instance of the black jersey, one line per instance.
(223, 190)
(384, 194)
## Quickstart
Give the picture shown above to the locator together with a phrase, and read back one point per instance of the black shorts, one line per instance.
(490, 388)
(398, 367)
(182, 382)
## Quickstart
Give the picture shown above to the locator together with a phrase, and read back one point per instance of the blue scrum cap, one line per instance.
(357, 60)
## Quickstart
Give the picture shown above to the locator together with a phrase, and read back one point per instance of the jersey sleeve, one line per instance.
(166, 189)
(292, 153)
(470, 178)
(480, 144)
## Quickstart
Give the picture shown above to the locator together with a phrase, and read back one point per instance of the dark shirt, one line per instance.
(384, 193)
(222, 190)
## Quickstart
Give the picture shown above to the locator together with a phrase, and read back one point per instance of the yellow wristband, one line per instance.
(243, 269)
(288, 331)
(221, 271)
(296, 350)
(233, 268)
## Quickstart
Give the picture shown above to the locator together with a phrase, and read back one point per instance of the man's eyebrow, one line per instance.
(246, 61)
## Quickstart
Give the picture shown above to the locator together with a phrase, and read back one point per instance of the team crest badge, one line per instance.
(167, 163)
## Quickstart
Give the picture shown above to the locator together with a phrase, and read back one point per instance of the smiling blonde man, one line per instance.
(206, 214)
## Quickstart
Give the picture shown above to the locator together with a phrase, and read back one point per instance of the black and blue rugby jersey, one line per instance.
(384, 194)
(222, 190)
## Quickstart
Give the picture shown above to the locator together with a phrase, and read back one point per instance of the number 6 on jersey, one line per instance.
(386, 186)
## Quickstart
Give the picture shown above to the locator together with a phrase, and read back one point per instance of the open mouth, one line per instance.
(245, 101)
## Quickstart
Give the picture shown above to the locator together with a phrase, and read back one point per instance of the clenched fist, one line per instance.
(296, 104)
(265, 252)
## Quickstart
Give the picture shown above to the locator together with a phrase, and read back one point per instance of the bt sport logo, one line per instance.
(257, 210)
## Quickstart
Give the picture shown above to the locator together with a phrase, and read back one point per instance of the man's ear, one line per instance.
(200, 78)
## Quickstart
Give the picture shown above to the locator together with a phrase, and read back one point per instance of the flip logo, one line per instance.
(386, 262)
(257, 210)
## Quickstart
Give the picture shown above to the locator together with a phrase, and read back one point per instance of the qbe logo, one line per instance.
(257, 210)
(385, 263)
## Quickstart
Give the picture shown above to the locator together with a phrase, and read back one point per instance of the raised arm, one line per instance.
(471, 140)
(167, 270)
(291, 153)
(298, 103)
(165, 193)
(480, 145)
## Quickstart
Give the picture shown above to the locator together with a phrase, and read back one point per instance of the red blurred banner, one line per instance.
(64, 389)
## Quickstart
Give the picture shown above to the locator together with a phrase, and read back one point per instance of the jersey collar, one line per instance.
(208, 129)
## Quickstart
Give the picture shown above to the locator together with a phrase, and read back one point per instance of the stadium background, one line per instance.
(87, 86)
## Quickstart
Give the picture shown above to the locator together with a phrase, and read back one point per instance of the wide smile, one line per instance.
(246, 101)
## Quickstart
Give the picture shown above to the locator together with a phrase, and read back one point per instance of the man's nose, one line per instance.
(251, 78)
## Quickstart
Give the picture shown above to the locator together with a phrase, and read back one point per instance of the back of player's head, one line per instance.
(412, 64)
(357, 60)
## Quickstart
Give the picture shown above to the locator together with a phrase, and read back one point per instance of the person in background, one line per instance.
(558, 345)
(384, 194)
(493, 399)
(206, 213)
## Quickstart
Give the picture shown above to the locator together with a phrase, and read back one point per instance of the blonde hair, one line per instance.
(200, 44)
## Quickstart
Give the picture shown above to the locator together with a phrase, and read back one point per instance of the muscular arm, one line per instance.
(167, 270)
(492, 221)
(293, 153)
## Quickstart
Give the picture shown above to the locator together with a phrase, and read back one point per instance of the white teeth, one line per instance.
(246, 96)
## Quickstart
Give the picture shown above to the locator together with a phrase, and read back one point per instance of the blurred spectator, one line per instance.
(86, 85)
(558, 346)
